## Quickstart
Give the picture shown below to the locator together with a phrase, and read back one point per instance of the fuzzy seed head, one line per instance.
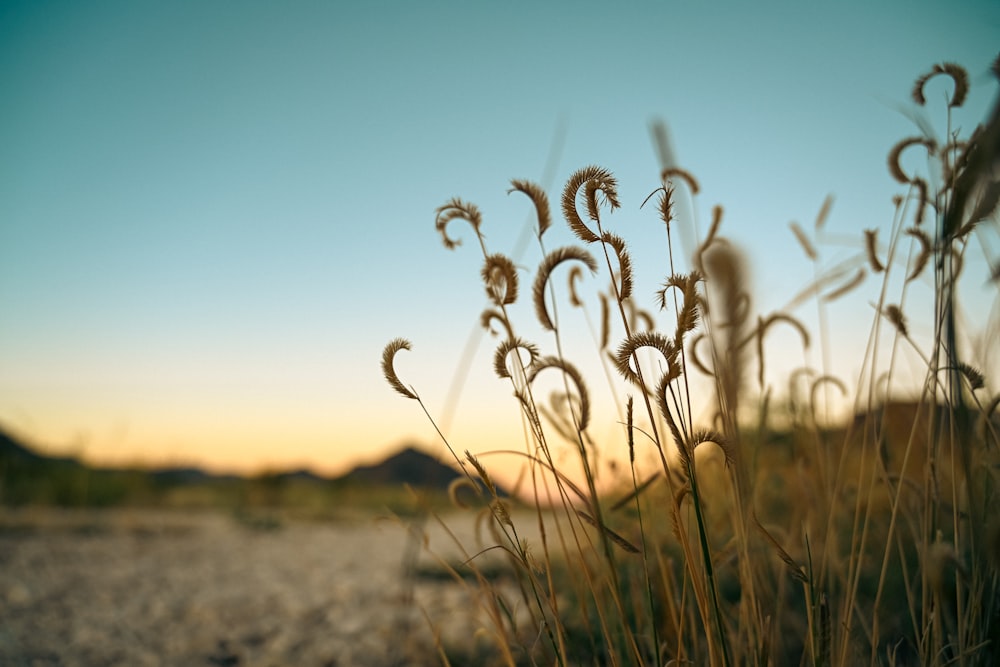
(617, 244)
(505, 348)
(487, 317)
(894, 314)
(595, 181)
(545, 269)
(538, 198)
(853, 283)
(958, 75)
(920, 262)
(629, 347)
(452, 209)
(388, 354)
(804, 241)
(670, 173)
(500, 277)
(871, 250)
(575, 378)
(896, 151)
(974, 376)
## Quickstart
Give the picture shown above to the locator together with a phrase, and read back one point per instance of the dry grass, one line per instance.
(760, 536)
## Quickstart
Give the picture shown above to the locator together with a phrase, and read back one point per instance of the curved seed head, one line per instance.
(500, 277)
(538, 198)
(505, 348)
(452, 209)
(595, 181)
(575, 377)
(388, 354)
(958, 75)
(545, 269)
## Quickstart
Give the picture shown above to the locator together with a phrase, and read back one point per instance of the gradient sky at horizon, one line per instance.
(213, 216)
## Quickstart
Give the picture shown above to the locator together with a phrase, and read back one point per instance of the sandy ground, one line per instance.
(131, 587)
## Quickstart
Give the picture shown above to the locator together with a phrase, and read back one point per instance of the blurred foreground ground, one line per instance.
(144, 587)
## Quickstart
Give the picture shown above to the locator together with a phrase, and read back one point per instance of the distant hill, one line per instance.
(27, 475)
(16, 453)
(187, 475)
(408, 466)
(412, 467)
(12, 450)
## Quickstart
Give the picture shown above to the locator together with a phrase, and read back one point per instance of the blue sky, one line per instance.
(213, 216)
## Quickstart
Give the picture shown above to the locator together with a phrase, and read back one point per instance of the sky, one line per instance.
(214, 216)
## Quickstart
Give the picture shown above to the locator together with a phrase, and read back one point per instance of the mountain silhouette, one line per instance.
(14, 451)
(408, 466)
(27, 475)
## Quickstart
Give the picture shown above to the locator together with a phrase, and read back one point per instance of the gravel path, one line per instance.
(147, 588)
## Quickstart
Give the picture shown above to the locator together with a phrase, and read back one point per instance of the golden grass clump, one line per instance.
(806, 535)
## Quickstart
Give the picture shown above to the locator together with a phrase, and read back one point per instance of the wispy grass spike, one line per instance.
(690, 314)
(958, 75)
(871, 250)
(824, 213)
(703, 436)
(974, 376)
(500, 277)
(452, 209)
(575, 377)
(774, 318)
(895, 169)
(853, 283)
(985, 208)
(388, 355)
(617, 243)
(487, 317)
(545, 269)
(894, 314)
(605, 322)
(651, 339)
(575, 274)
(804, 241)
(612, 535)
(538, 198)
(505, 348)
(923, 256)
(671, 173)
(595, 181)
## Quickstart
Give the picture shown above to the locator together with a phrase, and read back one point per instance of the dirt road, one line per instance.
(154, 588)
